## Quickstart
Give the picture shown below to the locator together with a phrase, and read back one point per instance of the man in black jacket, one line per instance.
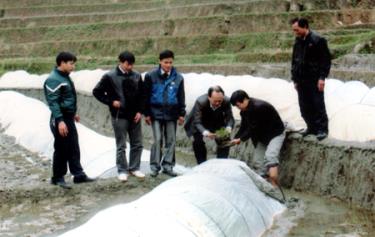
(211, 112)
(311, 63)
(121, 89)
(260, 122)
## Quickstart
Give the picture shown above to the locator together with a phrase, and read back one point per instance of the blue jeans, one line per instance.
(160, 129)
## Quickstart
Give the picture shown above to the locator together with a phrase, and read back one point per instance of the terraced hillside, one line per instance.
(232, 36)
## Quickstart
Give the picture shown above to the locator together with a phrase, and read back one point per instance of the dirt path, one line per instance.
(30, 206)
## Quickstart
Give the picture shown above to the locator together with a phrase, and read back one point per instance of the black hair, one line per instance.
(238, 96)
(302, 22)
(65, 57)
(126, 56)
(166, 54)
(216, 89)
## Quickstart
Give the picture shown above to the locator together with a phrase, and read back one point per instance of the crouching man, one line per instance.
(260, 122)
(211, 112)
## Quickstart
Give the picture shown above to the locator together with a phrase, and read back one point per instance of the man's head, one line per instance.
(215, 96)
(126, 61)
(166, 58)
(240, 99)
(300, 27)
(65, 61)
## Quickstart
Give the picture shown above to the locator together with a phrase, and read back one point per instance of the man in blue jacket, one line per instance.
(164, 106)
(62, 100)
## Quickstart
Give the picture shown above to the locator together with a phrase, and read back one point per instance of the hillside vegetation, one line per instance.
(206, 35)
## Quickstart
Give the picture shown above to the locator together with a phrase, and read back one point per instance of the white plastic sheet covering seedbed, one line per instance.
(27, 120)
(350, 105)
(216, 199)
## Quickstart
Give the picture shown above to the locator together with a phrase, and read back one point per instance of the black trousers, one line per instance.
(66, 151)
(200, 151)
(312, 107)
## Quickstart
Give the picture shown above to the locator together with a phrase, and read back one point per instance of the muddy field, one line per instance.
(31, 206)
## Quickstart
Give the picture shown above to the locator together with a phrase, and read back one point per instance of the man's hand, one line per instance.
(116, 104)
(210, 135)
(273, 173)
(236, 141)
(137, 117)
(63, 129)
(321, 84)
(181, 120)
(148, 120)
(77, 118)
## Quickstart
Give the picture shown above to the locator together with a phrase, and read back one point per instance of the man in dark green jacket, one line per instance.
(62, 101)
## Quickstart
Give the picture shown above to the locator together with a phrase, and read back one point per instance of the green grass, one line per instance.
(212, 25)
(203, 44)
(195, 45)
(44, 65)
(239, 38)
(121, 13)
(262, 47)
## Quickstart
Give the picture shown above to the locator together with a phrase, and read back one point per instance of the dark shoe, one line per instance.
(82, 179)
(321, 135)
(61, 184)
(306, 132)
(170, 173)
(154, 173)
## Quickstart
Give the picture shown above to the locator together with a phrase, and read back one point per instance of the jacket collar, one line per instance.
(121, 72)
(171, 74)
(251, 105)
(307, 37)
(61, 73)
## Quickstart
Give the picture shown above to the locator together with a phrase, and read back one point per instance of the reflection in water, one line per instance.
(317, 216)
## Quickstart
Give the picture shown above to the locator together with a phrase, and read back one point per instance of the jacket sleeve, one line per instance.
(197, 119)
(244, 132)
(140, 101)
(147, 89)
(52, 91)
(324, 60)
(181, 99)
(101, 91)
(229, 116)
(293, 66)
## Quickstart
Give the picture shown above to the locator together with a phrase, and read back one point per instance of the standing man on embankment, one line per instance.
(121, 89)
(164, 107)
(62, 100)
(311, 63)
